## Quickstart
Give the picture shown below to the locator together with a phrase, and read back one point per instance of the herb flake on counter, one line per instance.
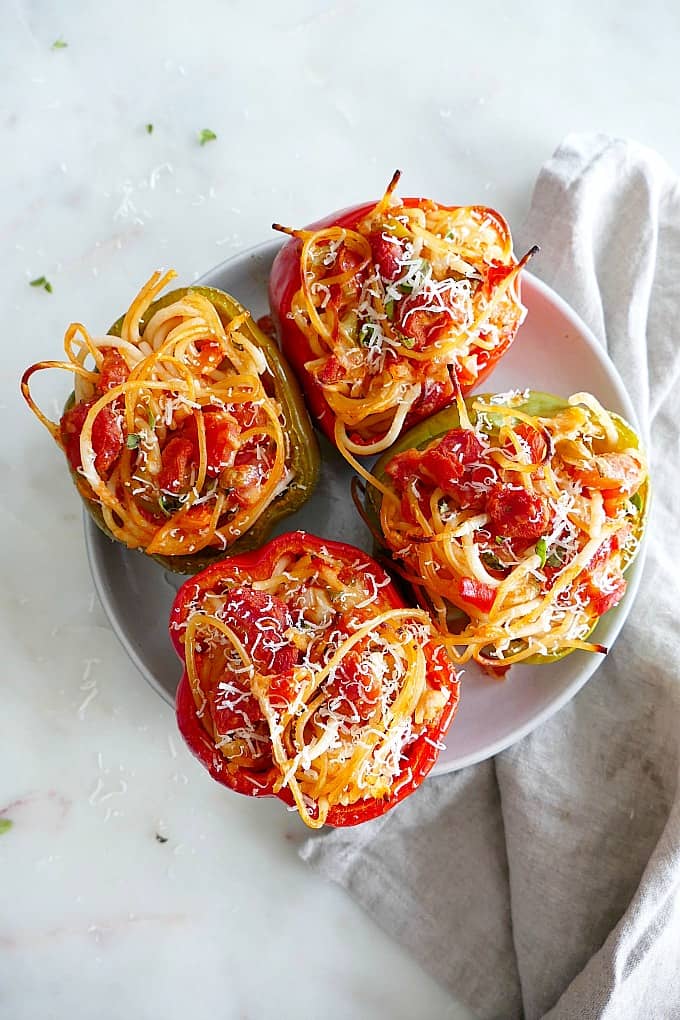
(206, 135)
(42, 281)
(5, 825)
(161, 839)
(59, 44)
(149, 129)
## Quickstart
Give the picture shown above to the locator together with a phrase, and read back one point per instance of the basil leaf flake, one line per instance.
(206, 135)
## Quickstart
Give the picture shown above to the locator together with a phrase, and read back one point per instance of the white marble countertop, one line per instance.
(313, 104)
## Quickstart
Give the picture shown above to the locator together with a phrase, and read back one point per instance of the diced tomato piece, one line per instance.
(221, 439)
(612, 471)
(282, 689)
(446, 463)
(209, 355)
(495, 275)
(233, 707)
(113, 371)
(425, 327)
(244, 481)
(535, 441)
(403, 468)
(177, 457)
(70, 426)
(440, 665)
(612, 500)
(107, 436)
(247, 414)
(354, 687)
(421, 326)
(604, 590)
(477, 593)
(473, 489)
(259, 621)
(347, 261)
(420, 497)
(434, 396)
(610, 545)
(332, 372)
(386, 255)
(107, 439)
(515, 513)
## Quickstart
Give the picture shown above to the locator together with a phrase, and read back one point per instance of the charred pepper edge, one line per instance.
(539, 404)
(304, 449)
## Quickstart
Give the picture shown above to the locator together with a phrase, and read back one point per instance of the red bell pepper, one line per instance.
(419, 327)
(477, 593)
(246, 613)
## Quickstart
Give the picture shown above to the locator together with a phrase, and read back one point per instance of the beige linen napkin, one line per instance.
(547, 881)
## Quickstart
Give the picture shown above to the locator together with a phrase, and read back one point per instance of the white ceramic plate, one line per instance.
(554, 352)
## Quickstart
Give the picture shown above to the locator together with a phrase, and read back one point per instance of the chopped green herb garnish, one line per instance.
(163, 504)
(425, 267)
(132, 441)
(636, 500)
(389, 310)
(489, 559)
(407, 341)
(206, 135)
(59, 44)
(149, 129)
(368, 333)
(450, 235)
(5, 825)
(405, 288)
(541, 550)
(500, 539)
(151, 419)
(556, 558)
(42, 281)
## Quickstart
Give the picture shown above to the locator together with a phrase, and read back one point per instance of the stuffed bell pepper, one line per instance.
(514, 517)
(383, 310)
(307, 677)
(186, 433)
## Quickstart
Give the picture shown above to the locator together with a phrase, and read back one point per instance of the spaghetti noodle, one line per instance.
(177, 432)
(312, 680)
(514, 517)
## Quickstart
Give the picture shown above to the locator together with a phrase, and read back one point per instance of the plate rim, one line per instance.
(93, 535)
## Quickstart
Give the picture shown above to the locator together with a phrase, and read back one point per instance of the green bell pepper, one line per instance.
(304, 450)
(537, 404)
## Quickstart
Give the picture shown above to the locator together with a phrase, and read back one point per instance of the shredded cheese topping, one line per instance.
(516, 529)
(325, 681)
(187, 377)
